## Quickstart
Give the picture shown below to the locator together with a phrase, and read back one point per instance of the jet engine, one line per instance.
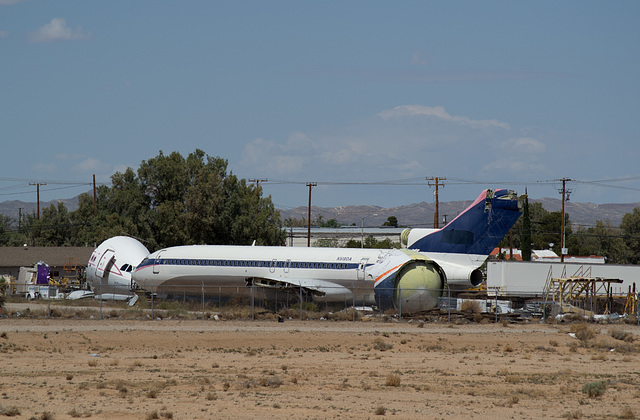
(408, 281)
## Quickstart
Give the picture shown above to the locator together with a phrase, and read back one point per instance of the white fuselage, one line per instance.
(336, 272)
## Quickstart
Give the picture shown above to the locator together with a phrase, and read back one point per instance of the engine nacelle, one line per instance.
(408, 281)
(462, 276)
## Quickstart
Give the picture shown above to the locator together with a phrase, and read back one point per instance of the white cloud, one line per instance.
(57, 30)
(440, 113)
(525, 145)
(404, 142)
(279, 159)
(91, 165)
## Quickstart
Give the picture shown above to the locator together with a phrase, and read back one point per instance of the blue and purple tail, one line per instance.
(477, 230)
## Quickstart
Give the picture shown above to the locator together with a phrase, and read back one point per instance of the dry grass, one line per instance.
(584, 332)
(380, 344)
(471, 306)
(319, 369)
(392, 380)
(620, 334)
(627, 413)
(380, 410)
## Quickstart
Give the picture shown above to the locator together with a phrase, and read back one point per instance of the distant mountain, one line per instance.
(421, 214)
(414, 215)
(10, 208)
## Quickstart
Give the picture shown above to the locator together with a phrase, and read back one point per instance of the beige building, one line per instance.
(63, 262)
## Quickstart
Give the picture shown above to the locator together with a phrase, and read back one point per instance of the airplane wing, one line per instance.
(314, 286)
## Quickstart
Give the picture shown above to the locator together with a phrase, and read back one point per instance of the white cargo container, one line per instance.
(528, 279)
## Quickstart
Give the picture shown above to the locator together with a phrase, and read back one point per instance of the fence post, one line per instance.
(202, 299)
(100, 298)
(353, 308)
(448, 303)
(301, 302)
(496, 310)
(400, 302)
(152, 312)
(253, 299)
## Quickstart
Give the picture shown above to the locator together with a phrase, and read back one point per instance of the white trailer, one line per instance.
(528, 279)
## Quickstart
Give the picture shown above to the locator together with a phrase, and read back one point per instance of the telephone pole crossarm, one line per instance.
(437, 183)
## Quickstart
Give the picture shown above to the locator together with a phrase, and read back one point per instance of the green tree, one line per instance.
(178, 201)
(327, 243)
(372, 242)
(602, 240)
(391, 221)
(630, 227)
(53, 228)
(7, 230)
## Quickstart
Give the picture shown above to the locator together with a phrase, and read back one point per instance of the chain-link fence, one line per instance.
(345, 302)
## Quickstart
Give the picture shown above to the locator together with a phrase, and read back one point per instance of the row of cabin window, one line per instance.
(275, 264)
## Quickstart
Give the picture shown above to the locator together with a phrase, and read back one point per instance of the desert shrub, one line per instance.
(621, 335)
(392, 380)
(273, 382)
(344, 315)
(594, 389)
(471, 306)
(573, 415)
(627, 413)
(77, 414)
(584, 332)
(380, 410)
(380, 344)
(306, 306)
(236, 312)
(10, 412)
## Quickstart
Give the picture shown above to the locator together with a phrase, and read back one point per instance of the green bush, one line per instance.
(594, 389)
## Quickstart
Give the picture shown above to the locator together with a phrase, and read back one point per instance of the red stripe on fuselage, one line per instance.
(386, 272)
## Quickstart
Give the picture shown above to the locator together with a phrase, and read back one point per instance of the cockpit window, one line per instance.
(125, 267)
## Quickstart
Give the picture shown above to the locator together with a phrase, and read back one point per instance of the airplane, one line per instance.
(412, 278)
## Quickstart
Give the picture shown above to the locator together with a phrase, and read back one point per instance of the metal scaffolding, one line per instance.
(578, 290)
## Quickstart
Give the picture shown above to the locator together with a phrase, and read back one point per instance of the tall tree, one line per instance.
(630, 227)
(602, 240)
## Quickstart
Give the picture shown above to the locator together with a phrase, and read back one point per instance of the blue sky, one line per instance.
(349, 94)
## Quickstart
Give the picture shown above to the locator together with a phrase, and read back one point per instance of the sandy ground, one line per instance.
(105, 369)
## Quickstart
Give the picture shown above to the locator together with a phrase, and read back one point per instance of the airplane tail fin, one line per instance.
(477, 230)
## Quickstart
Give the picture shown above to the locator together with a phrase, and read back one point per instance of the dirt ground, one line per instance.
(133, 369)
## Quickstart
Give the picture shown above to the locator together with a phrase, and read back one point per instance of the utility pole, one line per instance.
(310, 185)
(95, 206)
(565, 193)
(437, 183)
(258, 181)
(37, 184)
(19, 218)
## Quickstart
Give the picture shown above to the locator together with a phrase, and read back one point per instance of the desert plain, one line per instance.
(61, 368)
